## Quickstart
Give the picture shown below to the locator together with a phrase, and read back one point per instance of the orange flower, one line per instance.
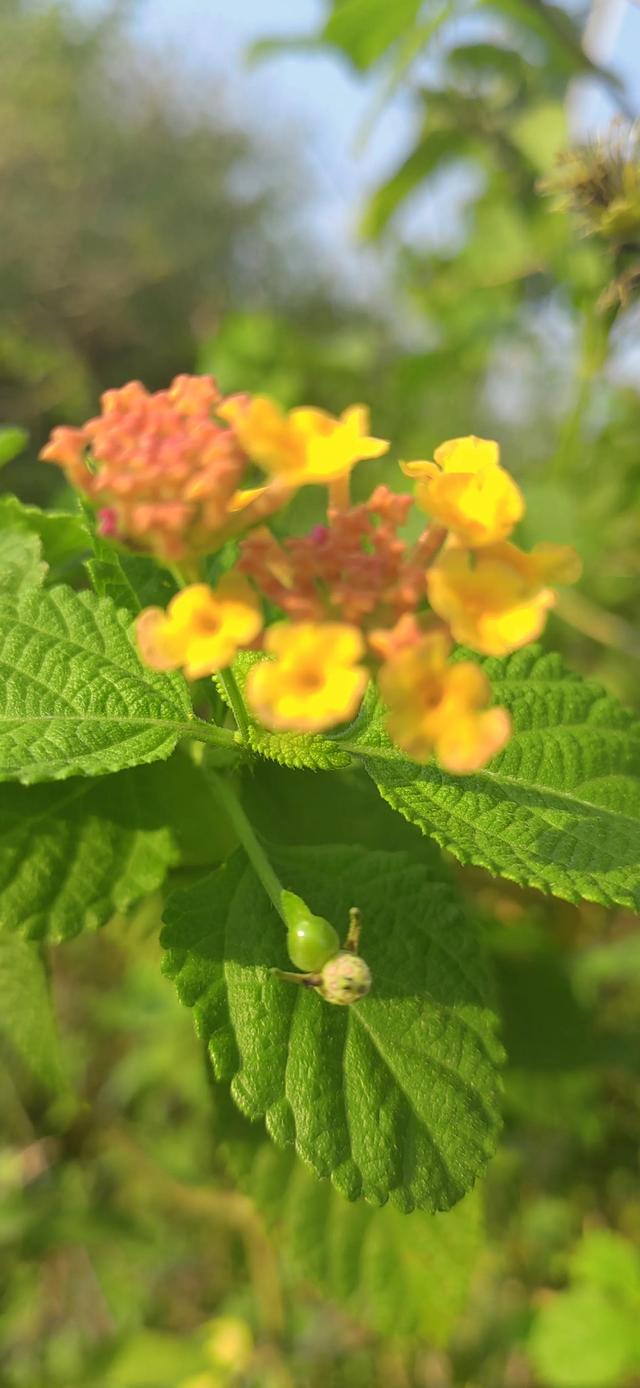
(315, 680)
(67, 448)
(355, 569)
(202, 629)
(441, 708)
(497, 599)
(389, 642)
(467, 491)
(162, 468)
(305, 445)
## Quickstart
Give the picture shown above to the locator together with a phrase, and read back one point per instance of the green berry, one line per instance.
(311, 942)
(345, 978)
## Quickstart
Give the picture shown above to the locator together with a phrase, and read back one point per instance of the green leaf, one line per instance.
(132, 581)
(75, 699)
(365, 29)
(479, 59)
(436, 146)
(62, 535)
(582, 1339)
(12, 442)
(108, 577)
(610, 1262)
(286, 43)
(558, 809)
(72, 855)
(302, 809)
(557, 29)
(393, 1098)
(541, 133)
(295, 750)
(21, 565)
(27, 1024)
(402, 1277)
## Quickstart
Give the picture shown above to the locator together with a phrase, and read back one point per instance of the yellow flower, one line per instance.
(202, 629)
(441, 708)
(314, 681)
(229, 1343)
(497, 599)
(305, 445)
(467, 491)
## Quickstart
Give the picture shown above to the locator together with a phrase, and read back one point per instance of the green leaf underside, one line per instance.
(299, 751)
(558, 809)
(75, 698)
(393, 1098)
(72, 855)
(26, 1020)
(403, 1277)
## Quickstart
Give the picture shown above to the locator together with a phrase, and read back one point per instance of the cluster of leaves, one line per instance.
(558, 809)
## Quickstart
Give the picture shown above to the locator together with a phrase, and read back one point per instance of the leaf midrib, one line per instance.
(499, 779)
(185, 724)
(133, 671)
(591, 805)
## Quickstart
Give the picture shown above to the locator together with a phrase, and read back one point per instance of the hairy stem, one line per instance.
(236, 701)
(230, 803)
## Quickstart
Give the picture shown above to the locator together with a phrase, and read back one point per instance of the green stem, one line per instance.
(594, 345)
(200, 731)
(374, 753)
(230, 803)
(236, 701)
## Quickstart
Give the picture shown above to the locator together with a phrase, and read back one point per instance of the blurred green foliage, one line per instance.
(131, 224)
(148, 1236)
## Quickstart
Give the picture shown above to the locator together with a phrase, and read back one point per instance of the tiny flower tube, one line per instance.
(315, 680)
(304, 445)
(435, 707)
(467, 491)
(202, 629)
(497, 598)
(389, 642)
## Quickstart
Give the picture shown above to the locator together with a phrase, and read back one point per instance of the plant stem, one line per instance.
(244, 829)
(594, 344)
(198, 730)
(236, 701)
(225, 1207)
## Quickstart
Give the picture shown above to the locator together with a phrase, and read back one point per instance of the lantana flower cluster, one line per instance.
(180, 473)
